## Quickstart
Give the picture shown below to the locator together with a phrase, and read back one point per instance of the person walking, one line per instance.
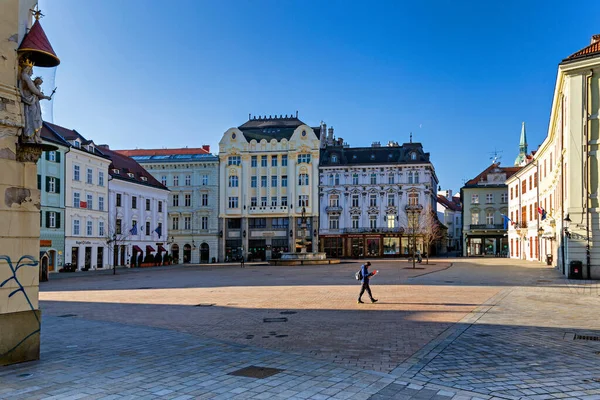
(366, 275)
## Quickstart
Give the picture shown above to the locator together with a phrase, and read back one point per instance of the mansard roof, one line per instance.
(71, 134)
(373, 155)
(268, 128)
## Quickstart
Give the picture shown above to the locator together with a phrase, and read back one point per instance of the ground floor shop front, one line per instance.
(486, 245)
(196, 249)
(86, 254)
(357, 246)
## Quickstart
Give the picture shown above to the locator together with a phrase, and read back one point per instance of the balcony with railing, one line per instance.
(333, 209)
(413, 207)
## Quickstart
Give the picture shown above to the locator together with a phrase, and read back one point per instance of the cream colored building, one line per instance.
(20, 318)
(567, 169)
(269, 176)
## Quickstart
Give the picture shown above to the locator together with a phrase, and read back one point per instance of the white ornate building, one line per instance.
(138, 209)
(192, 176)
(86, 196)
(268, 178)
(369, 193)
(562, 177)
(449, 210)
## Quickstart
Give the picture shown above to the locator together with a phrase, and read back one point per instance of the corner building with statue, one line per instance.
(268, 191)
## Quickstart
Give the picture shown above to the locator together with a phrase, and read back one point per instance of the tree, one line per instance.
(431, 229)
(412, 228)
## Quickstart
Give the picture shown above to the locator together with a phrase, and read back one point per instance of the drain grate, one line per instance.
(205, 305)
(587, 337)
(67, 315)
(288, 312)
(256, 372)
(282, 319)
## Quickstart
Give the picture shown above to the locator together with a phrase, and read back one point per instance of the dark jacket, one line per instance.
(365, 273)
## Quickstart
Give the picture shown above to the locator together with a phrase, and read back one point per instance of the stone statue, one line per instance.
(31, 94)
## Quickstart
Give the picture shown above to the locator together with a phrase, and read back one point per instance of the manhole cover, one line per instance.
(67, 315)
(204, 305)
(587, 337)
(256, 372)
(282, 319)
(288, 312)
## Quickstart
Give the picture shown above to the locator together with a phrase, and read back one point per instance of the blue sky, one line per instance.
(461, 76)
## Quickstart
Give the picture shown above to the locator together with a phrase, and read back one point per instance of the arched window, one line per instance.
(334, 158)
(413, 156)
(233, 181)
(303, 179)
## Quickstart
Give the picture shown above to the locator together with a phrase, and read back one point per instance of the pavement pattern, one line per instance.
(513, 330)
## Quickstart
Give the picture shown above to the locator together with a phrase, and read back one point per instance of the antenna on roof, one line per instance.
(296, 113)
(495, 156)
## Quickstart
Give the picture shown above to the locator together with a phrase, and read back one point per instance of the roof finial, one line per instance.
(37, 14)
(411, 137)
(296, 113)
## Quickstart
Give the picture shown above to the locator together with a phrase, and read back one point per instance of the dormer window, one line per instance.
(334, 158)
(131, 175)
(413, 156)
(116, 171)
(76, 144)
(372, 156)
(144, 178)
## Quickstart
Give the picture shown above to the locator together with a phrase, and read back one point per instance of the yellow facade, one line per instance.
(19, 203)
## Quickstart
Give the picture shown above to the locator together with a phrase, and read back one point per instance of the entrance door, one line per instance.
(75, 256)
(175, 253)
(51, 260)
(100, 258)
(123, 254)
(204, 252)
(88, 257)
(116, 255)
(187, 254)
(44, 269)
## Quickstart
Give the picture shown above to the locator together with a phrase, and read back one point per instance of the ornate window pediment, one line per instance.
(373, 210)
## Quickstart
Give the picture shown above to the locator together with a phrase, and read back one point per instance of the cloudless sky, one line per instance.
(460, 75)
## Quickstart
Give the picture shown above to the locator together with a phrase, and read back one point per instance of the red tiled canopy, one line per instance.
(149, 249)
(36, 47)
(137, 249)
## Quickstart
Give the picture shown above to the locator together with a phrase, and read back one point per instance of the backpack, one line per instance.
(359, 275)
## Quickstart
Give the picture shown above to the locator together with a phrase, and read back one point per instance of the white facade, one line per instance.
(568, 174)
(192, 176)
(86, 208)
(450, 214)
(268, 177)
(367, 194)
(149, 217)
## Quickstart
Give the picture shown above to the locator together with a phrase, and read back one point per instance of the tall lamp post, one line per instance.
(566, 234)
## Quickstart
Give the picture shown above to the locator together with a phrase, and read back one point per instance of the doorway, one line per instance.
(175, 253)
(88, 258)
(44, 268)
(204, 253)
(51, 260)
(187, 254)
(75, 257)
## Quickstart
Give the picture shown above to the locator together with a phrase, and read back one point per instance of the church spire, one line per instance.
(522, 147)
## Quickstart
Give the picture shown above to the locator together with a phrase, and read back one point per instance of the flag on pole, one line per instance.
(159, 231)
(542, 213)
(506, 219)
(133, 230)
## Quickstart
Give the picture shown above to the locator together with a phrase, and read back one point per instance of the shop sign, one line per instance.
(45, 243)
(83, 242)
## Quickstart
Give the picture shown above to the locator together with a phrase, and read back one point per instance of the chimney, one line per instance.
(206, 147)
(595, 39)
(330, 134)
(104, 146)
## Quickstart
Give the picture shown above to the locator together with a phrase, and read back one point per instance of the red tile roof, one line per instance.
(449, 204)
(509, 171)
(127, 165)
(205, 149)
(588, 51)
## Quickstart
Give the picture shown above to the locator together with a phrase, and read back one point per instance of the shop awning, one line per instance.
(137, 249)
(161, 249)
(149, 248)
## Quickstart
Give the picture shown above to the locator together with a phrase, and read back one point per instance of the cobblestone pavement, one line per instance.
(493, 329)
